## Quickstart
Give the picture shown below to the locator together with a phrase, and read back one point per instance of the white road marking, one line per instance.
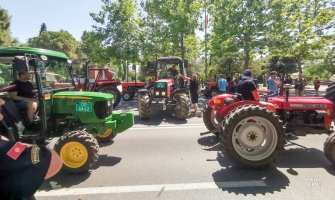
(150, 188)
(177, 126)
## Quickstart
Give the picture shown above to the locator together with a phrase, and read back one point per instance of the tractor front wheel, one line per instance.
(253, 136)
(213, 93)
(107, 136)
(114, 91)
(210, 119)
(144, 106)
(329, 148)
(182, 108)
(78, 150)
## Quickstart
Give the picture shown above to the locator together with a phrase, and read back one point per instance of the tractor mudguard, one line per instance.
(140, 91)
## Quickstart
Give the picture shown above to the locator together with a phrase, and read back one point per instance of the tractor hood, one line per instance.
(167, 80)
(301, 102)
(83, 95)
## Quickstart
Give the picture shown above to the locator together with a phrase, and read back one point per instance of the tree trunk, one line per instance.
(124, 64)
(246, 59)
(182, 46)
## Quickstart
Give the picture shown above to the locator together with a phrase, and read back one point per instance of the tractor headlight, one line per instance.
(163, 93)
(109, 103)
(157, 93)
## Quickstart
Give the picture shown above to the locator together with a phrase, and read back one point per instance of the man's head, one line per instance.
(247, 73)
(173, 66)
(273, 74)
(194, 76)
(24, 76)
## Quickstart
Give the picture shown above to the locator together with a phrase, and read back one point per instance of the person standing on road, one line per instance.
(273, 84)
(230, 85)
(194, 91)
(299, 85)
(222, 85)
(317, 84)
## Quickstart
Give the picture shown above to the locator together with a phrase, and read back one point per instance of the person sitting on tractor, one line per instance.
(247, 87)
(173, 71)
(24, 94)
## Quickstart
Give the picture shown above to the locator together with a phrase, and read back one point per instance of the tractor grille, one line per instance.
(160, 90)
(103, 109)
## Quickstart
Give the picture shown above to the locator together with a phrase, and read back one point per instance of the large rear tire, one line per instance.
(78, 150)
(182, 108)
(114, 91)
(253, 136)
(329, 148)
(331, 96)
(144, 106)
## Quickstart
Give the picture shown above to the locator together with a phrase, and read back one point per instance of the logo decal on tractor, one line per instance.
(308, 106)
(84, 106)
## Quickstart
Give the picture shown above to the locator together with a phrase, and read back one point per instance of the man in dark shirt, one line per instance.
(194, 88)
(247, 87)
(23, 95)
(24, 167)
(173, 71)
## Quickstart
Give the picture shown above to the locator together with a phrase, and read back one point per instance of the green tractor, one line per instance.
(77, 118)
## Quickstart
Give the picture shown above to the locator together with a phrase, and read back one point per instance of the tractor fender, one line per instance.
(226, 110)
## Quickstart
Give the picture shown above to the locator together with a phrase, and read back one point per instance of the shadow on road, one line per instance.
(245, 181)
(106, 160)
(304, 158)
(65, 180)
(211, 142)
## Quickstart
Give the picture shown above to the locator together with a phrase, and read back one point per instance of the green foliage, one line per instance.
(5, 35)
(119, 25)
(61, 41)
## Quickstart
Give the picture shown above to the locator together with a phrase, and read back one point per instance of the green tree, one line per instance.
(300, 29)
(239, 27)
(170, 24)
(5, 36)
(61, 41)
(118, 24)
(91, 43)
(43, 28)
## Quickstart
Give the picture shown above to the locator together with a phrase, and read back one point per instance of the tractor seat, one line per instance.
(12, 116)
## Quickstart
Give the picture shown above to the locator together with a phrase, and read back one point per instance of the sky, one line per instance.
(70, 15)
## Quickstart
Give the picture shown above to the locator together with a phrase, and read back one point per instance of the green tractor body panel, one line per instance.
(84, 106)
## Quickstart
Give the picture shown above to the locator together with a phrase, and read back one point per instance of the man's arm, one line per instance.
(14, 96)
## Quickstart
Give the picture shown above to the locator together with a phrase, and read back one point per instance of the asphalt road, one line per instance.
(165, 158)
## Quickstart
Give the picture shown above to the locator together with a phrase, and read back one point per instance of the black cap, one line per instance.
(247, 72)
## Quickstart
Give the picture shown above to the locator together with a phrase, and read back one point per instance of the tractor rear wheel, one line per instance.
(331, 96)
(106, 136)
(329, 148)
(210, 120)
(144, 106)
(253, 136)
(78, 150)
(114, 91)
(182, 108)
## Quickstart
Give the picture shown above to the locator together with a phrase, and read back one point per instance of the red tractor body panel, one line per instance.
(169, 83)
(126, 85)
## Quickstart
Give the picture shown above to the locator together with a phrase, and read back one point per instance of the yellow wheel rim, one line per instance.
(74, 154)
(105, 134)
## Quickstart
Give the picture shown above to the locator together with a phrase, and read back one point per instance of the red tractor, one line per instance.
(253, 133)
(211, 89)
(129, 89)
(168, 92)
(100, 80)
